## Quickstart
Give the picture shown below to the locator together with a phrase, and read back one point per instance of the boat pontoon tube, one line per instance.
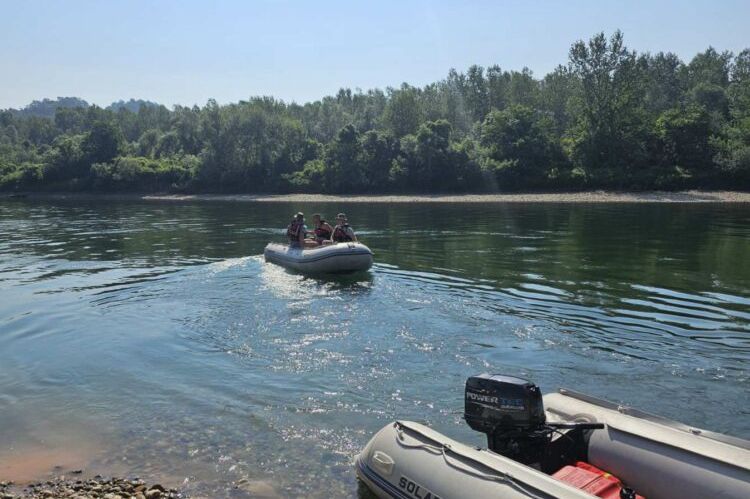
(333, 258)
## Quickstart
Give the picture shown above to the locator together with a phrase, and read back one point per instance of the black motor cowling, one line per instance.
(510, 412)
(497, 402)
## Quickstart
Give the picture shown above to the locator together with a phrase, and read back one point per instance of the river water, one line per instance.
(152, 338)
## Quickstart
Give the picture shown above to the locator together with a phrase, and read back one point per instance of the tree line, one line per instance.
(610, 118)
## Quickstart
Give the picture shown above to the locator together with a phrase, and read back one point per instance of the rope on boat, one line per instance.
(444, 449)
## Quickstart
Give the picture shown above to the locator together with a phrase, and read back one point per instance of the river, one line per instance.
(151, 338)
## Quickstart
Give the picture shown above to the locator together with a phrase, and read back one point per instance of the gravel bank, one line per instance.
(560, 197)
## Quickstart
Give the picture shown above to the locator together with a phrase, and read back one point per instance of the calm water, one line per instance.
(152, 339)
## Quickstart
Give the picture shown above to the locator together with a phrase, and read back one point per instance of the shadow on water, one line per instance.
(364, 493)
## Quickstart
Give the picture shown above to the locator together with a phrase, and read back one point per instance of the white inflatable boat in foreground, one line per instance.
(329, 259)
(579, 447)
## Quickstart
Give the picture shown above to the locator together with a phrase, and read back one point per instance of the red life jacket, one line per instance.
(340, 235)
(321, 232)
(293, 230)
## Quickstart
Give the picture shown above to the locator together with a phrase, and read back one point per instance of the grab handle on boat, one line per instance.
(383, 462)
(577, 426)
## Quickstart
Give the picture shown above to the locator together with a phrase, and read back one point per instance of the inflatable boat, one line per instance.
(329, 259)
(578, 447)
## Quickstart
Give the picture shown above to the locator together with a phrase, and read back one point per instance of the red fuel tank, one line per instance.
(592, 480)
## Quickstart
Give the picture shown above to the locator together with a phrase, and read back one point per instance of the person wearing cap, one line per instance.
(343, 233)
(296, 230)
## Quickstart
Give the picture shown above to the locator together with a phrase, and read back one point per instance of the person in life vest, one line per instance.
(343, 233)
(296, 230)
(322, 230)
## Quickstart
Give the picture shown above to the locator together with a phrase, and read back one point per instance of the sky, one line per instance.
(185, 52)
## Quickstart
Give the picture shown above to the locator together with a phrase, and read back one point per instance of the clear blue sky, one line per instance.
(187, 51)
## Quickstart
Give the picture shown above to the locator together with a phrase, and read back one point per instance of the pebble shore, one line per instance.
(97, 487)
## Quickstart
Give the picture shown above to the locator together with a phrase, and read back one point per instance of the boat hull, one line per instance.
(660, 459)
(329, 259)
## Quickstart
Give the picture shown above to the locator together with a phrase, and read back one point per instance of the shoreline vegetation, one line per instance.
(691, 196)
(609, 118)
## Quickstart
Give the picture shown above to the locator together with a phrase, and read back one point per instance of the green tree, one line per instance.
(739, 88)
(402, 114)
(428, 162)
(168, 145)
(378, 150)
(146, 145)
(477, 93)
(662, 80)
(520, 147)
(733, 141)
(557, 92)
(498, 85)
(709, 67)
(523, 89)
(344, 170)
(103, 143)
(609, 135)
(685, 133)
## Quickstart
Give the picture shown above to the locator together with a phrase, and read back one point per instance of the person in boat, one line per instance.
(322, 230)
(343, 233)
(296, 230)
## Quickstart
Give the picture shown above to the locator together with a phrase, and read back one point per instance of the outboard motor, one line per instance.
(510, 411)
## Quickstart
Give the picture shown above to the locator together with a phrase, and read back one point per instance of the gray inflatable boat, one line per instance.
(563, 445)
(329, 259)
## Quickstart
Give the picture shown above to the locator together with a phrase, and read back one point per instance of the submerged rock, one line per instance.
(257, 488)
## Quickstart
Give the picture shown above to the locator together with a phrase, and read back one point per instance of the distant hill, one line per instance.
(133, 105)
(46, 108)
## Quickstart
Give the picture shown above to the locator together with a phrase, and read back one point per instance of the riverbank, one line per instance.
(693, 196)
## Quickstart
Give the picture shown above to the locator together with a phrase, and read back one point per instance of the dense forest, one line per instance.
(610, 118)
